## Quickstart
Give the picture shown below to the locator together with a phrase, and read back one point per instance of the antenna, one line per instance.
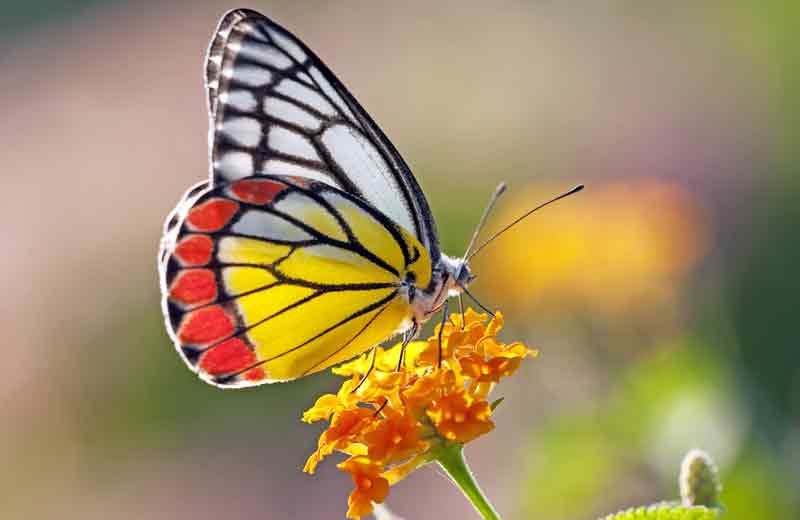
(574, 190)
(501, 188)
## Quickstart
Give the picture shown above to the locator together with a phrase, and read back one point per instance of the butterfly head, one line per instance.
(456, 275)
(463, 275)
(452, 276)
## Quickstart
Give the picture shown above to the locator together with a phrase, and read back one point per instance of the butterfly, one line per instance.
(311, 242)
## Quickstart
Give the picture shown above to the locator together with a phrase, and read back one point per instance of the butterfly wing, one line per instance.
(276, 109)
(269, 278)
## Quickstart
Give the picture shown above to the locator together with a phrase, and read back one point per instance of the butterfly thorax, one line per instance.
(449, 278)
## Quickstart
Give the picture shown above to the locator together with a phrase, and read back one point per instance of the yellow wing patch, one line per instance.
(305, 209)
(240, 280)
(238, 250)
(325, 264)
(368, 230)
(259, 306)
(313, 336)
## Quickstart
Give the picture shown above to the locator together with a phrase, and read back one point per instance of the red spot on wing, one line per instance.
(205, 325)
(194, 286)
(229, 356)
(194, 250)
(256, 374)
(300, 181)
(257, 191)
(212, 214)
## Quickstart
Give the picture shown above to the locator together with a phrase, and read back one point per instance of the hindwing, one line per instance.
(269, 278)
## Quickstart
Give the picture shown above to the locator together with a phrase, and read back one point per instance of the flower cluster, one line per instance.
(394, 421)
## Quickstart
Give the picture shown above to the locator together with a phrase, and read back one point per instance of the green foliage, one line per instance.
(666, 512)
(754, 477)
(496, 403)
(584, 461)
(637, 428)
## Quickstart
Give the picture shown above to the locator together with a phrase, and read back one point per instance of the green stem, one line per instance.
(451, 459)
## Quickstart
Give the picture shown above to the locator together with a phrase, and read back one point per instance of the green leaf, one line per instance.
(666, 512)
(496, 403)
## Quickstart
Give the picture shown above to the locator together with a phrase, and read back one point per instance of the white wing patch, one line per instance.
(235, 165)
(291, 113)
(291, 143)
(305, 95)
(356, 155)
(305, 78)
(287, 45)
(241, 100)
(249, 75)
(262, 224)
(332, 94)
(246, 131)
(281, 167)
(264, 54)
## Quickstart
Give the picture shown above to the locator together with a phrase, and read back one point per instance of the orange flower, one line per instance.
(370, 486)
(329, 404)
(395, 421)
(344, 428)
(460, 417)
(427, 388)
(395, 438)
(455, 335)
(492, 361)
(324, 408)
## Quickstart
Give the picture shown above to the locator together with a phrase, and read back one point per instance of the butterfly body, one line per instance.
(312, 241)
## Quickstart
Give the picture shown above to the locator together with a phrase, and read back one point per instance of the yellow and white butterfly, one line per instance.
(311, 242)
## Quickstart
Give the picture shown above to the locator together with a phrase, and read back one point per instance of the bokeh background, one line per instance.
(663, 299)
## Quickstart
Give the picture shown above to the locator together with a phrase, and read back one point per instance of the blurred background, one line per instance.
(661, 298)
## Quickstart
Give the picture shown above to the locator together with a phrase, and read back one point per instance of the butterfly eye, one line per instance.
(464, 276)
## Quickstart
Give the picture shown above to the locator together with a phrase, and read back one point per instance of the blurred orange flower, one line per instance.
(624, 246)
(394, 420)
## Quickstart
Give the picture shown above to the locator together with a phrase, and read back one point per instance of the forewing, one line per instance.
(271, 278)
(276, 109)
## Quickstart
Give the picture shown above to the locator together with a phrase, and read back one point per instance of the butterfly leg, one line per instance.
(461, 310)
(483, 307)
(441, 330)
(408, 336)
(369, 371)
(382, 406)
